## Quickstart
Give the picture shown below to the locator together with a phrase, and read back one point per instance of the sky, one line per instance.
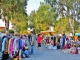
(33, 5)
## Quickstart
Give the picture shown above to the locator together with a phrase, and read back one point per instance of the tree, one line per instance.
(66, 8)
(12, 9)
(44, 17)
(19, 22)
(63, 25)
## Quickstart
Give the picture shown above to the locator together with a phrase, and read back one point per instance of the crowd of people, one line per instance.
(66, 43)
(22, 46)
(19, 46)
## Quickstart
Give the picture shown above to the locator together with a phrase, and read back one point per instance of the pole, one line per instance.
(73, 25)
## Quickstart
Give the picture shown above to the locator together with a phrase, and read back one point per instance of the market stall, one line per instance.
(49, 32)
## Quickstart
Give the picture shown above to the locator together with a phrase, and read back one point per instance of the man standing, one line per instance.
(29, 38)
(33, 41)
(64, 39)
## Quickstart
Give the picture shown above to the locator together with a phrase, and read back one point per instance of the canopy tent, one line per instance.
(77, 34)
(48, 32)
(28, 32)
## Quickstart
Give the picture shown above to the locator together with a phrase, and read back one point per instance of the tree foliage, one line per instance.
(44, 17)
(63, 25)
(67, 8)
(15, 11)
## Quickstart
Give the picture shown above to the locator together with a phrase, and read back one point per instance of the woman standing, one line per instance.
(39, 39)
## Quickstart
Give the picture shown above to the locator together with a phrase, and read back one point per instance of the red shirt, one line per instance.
(39, 39)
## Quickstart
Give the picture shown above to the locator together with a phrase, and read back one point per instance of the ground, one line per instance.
(46, 54)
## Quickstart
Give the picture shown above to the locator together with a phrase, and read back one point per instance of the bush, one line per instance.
(11, 31)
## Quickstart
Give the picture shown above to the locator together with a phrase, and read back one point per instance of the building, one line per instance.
(2, 29)
(2, 25)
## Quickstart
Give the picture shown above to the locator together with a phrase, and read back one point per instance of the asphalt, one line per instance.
(46, 54)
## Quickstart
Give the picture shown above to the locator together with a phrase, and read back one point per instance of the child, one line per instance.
(73, 49)
(50, 45)
(25, 52)
(58, 45)
(78, 49)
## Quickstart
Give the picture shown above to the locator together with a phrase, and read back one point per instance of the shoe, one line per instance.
(28, 56)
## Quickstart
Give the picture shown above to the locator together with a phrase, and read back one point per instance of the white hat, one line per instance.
(71, 34)
(60, 34)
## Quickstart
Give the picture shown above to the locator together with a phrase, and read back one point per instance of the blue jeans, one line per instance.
(32, 50)
(26, 52)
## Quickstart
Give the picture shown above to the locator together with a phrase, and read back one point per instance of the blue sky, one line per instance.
(33, 5)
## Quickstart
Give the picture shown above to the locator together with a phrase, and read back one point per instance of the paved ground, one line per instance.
(46, 54)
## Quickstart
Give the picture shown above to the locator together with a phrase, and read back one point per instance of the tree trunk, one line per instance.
(0, 12)
(6, 24)
(71, 22)
(14, 28)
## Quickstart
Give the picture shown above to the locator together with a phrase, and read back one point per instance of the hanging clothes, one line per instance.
(15, 44)
(20, 44)
(11, 46)
(20, 47)
(6, 46)
(3, 44)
